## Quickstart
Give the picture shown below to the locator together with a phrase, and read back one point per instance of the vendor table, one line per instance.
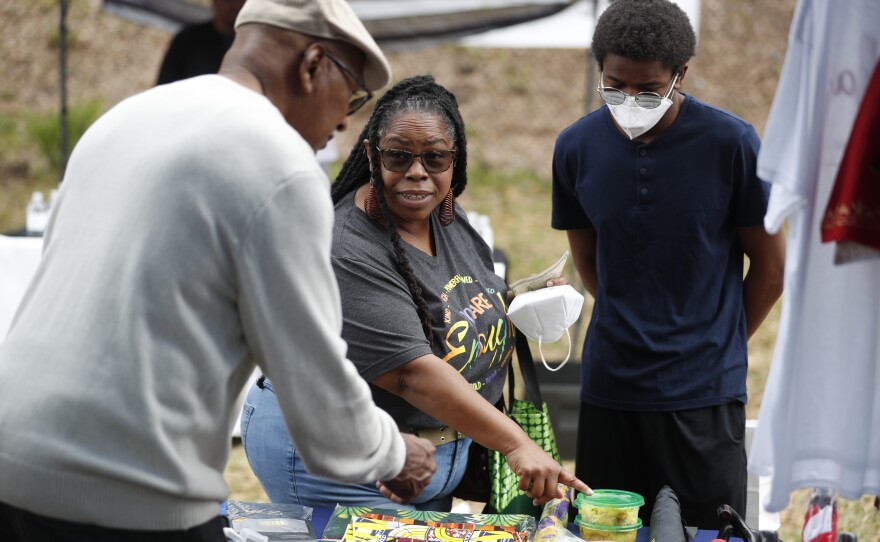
(320, 517)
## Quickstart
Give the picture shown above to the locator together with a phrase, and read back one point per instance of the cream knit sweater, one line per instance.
(191, 240)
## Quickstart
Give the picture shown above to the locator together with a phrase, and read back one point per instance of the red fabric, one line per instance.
(820, 521)
(853, 211)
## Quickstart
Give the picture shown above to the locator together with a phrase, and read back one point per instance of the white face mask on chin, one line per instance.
(545, 315)
(635, 120)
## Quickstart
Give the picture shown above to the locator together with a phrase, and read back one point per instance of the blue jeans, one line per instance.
(279, 467)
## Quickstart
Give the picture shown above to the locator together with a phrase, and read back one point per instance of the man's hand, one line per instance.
(418, 468)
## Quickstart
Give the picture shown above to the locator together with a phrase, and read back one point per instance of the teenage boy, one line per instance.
(660, 199)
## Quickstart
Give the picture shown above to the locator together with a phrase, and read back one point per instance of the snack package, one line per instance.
(381, 528)
(270, 521)
(340, 520)
(554, 519)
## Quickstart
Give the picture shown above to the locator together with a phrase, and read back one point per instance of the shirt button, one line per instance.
(643, 152)
(644, 191)
(643, 170)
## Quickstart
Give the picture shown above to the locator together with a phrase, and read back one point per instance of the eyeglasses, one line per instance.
(360, 96)
(435, 161)
(647, 100)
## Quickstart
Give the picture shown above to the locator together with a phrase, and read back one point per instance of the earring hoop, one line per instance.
(372, 206)
(447, 209)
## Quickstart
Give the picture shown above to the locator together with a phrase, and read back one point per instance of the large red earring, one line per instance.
(372, 206)
(447, 209)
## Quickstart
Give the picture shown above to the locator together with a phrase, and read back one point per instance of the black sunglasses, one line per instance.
(434, 161)
(360, 96)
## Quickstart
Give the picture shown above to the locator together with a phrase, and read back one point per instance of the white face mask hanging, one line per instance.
(545, 315)
(636, 114)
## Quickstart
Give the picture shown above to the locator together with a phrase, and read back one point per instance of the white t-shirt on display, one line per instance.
(819, 423)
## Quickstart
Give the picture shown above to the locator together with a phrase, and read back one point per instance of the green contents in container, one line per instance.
(609, 507)
(611, 533)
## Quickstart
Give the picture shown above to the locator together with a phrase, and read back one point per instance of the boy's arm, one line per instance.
(583, 252)
(763, 283)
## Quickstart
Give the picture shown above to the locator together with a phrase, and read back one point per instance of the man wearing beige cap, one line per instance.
(191, 240)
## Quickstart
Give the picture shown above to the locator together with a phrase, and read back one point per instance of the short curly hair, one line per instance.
(645, 30)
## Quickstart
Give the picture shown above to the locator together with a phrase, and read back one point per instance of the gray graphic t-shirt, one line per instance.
(466, 299)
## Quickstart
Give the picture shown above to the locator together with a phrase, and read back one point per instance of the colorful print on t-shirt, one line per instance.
(477, 329)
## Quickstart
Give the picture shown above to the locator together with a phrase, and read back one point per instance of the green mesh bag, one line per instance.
(504, 496)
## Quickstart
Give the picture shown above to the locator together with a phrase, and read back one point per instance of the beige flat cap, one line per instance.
(330, 19)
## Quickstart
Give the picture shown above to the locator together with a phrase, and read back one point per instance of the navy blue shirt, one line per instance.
(668, 328)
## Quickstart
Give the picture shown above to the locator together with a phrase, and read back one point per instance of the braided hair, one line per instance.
(419, 94)
(645, 30)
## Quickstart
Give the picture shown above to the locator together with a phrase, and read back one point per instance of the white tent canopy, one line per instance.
(571, 28)
(391, 22)
(477, 23)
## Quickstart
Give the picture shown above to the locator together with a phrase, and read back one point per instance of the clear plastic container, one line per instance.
(611, 533)
(609, 507)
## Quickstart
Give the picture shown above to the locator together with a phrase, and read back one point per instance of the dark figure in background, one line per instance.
(661, 201)
(198, 49)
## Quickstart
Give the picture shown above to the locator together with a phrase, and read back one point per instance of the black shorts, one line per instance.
(700, 453)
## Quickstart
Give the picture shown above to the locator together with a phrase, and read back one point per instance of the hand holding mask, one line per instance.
(539, 280)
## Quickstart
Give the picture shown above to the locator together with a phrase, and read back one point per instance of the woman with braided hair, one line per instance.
(424, 314)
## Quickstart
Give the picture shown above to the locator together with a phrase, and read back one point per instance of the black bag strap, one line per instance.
(527, 369)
